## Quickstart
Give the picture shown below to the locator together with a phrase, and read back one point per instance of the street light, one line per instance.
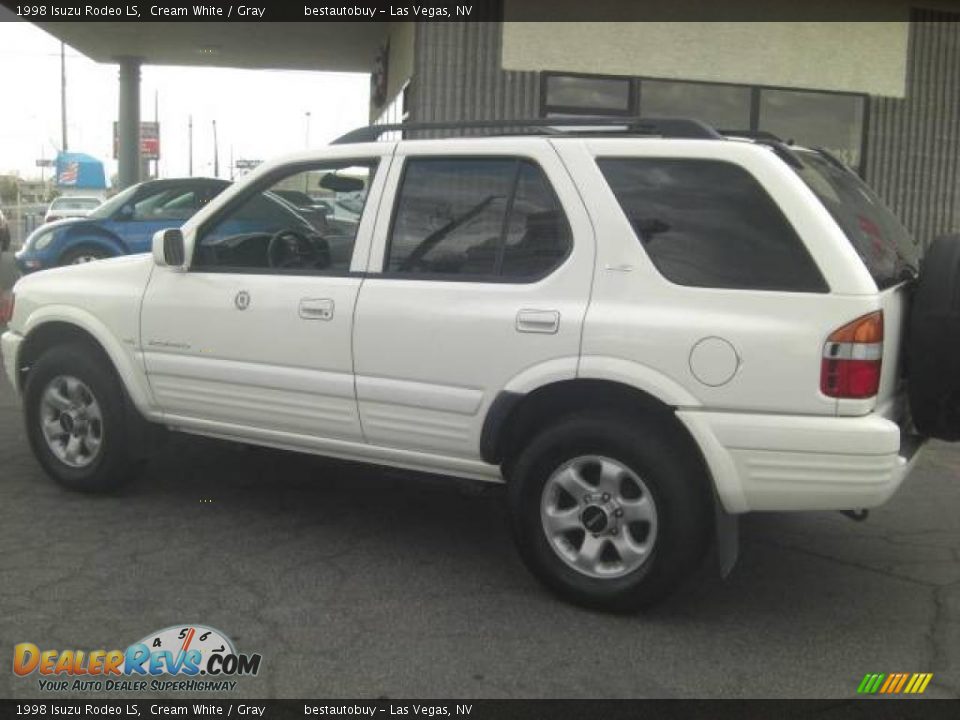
(306, 145)
(216, 152)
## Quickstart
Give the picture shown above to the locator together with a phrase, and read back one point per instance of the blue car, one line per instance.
(123, 225)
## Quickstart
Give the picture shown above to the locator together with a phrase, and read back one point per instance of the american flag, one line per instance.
(68, 175)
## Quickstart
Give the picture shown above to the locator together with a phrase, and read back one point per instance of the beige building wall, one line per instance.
(864, 57)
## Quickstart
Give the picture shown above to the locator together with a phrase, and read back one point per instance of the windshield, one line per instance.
(107, 210)
(885, 246)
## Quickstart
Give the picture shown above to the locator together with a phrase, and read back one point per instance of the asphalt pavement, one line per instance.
(365, 582)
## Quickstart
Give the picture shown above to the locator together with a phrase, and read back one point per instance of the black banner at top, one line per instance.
(252, 11)
(462, 10)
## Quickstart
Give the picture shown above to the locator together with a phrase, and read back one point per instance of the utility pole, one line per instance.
(63, 96)
(306, 145)
(190, 142)
(156, 122)
(216, 152)
(231, 163)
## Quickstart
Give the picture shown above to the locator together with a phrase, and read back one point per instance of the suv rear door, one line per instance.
(479, 281)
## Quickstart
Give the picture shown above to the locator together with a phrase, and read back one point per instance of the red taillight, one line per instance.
(7, 300)
(852, 357)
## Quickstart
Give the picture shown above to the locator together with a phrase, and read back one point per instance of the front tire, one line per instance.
(81, 255)
(74, 414)
(610, 511)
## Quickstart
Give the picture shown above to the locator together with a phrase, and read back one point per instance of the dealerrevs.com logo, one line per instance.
(188, 658)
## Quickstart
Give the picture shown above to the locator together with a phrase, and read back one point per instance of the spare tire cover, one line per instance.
(933, 342)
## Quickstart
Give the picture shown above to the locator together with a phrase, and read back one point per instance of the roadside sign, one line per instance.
(149, 140)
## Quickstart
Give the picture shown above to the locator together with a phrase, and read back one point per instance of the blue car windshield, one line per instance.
(110, 207)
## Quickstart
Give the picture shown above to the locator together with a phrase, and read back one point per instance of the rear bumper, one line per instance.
(785, 463)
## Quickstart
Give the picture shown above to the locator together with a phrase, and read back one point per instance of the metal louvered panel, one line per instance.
(913, 144)
(458, 76)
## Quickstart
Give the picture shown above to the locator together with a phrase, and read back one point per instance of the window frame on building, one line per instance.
(636, 102)
(547, 110)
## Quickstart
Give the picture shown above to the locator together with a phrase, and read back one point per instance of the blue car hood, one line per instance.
(58, 224)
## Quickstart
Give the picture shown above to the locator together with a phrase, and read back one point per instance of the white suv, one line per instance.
(642, 332)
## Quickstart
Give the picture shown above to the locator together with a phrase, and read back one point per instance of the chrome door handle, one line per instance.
(316, 309)
(538, 321)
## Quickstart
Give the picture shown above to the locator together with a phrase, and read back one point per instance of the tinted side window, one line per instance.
(708, 223)
(166, 204)
(296, 223)
(476, 218)
(173, 204)
(538, 236)
(449, 216)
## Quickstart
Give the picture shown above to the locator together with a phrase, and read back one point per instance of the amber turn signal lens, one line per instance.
(866, 329)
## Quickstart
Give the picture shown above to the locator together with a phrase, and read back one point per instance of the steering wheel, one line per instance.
(289, 249)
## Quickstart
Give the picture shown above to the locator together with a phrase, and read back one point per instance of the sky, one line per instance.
(259, 113)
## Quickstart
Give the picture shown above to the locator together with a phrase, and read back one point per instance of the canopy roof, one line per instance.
(332, 47)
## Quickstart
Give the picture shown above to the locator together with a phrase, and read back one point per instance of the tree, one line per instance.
(8, 189)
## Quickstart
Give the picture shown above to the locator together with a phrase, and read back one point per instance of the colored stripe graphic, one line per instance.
(900, 684)
(871, 683)
(894, 683)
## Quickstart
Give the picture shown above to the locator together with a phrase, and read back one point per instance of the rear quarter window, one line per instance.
(709, 223)
(887, 250)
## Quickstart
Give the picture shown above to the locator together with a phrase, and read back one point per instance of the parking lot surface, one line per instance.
(365, 582)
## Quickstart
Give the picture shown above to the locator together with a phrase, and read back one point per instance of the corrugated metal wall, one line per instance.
(913, 144)
(457, 75)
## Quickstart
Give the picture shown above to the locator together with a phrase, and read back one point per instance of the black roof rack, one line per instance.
(657, 127)
(751, 134)
(834, 160)
(764, 137)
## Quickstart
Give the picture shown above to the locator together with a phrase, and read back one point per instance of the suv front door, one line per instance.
(479, 282)
(254, 340)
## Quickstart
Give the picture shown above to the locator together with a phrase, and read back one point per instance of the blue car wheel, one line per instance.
(82, 254)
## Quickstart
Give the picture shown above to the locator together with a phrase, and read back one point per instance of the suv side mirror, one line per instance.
(168, 248)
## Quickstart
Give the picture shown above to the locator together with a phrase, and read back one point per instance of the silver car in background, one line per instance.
(71, 207)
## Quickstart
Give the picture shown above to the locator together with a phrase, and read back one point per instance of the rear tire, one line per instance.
(933, 342)
(75, 420)
(650, 489)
